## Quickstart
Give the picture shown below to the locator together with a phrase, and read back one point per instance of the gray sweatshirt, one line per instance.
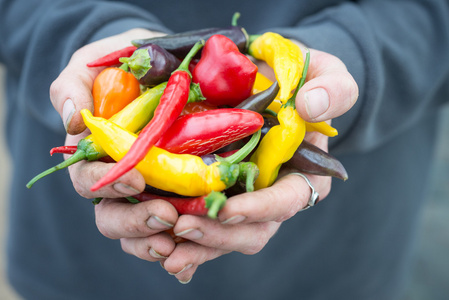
(356, 244)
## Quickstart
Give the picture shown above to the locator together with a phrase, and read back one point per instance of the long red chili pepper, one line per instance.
(208, 205)
(112, 58)
(208, 131)
(172, 102)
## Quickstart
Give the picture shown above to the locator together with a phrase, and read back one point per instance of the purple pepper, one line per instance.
(151, 64)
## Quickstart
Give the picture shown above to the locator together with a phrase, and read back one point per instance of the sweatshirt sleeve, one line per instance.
(39, 37)
(398, 53)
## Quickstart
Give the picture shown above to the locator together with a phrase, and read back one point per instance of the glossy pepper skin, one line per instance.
(112, 58)
(183, 174)
(180, 44)
(151, 64)
(207, 205)
(283, 55)
(264, 84)
(308, 158)
(173, 100)
(112, 90)
(225, 76)
(208, 131)
(281, 141)
(278, 145)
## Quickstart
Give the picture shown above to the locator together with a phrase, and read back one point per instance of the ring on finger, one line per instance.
(314, 194)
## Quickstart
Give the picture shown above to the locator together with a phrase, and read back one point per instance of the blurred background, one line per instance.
(430, 276)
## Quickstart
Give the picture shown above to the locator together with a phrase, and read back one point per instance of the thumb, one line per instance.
(330, 90)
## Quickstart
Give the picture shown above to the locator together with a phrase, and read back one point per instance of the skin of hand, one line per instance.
(246, 223)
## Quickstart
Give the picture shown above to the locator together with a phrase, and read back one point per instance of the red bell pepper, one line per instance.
(225, 75)
(207, 131)
(172, 102)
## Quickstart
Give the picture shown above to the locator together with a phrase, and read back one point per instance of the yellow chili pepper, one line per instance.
(278, 145)
(183, 174)
(284, 56)
(281, 141)
(262, 83)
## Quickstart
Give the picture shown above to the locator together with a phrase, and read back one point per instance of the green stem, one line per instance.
(291, 101)
(79, 155)
(214, 203)
(235, 17)
(124, 67)
(244, 151)
(184, 66)
(248, 173)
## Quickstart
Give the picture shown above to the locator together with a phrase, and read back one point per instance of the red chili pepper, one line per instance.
(112, 58)
(196, 107)
(208, 205)
(208, 131)
(175, 96)
(225, 75)
(64, 150)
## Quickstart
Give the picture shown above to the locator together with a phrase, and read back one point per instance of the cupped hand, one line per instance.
(142, 228)
(248, 221)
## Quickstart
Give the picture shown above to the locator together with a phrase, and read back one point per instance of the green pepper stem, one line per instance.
(242, 152)
(132, 200)
(214, 203)
(235, 18)
(248, 173)
(139, 63)
(184, 66)
(79, 155)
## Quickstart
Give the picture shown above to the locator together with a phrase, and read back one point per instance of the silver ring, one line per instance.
(314, 196)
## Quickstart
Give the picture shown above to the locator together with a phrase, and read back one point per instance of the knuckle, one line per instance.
(257, 245)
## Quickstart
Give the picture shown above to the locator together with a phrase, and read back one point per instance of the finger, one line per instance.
(84, 174)
(153, 248)
(248, 238)
(71, 91)
(117, 218)
(330, 90)
(277, 203)
(185, 259)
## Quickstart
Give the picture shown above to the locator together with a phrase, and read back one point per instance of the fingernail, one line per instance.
(234, 220)
(154, 222)
(125, 189)
(317, 102)
(67, 112)
(191, 234)
(185, 268)
(185, 282)
(155, 254)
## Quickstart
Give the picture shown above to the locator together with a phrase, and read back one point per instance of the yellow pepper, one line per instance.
(281, 141)
(183, 174)
(262, 83)
(284, 56)
(278, 145)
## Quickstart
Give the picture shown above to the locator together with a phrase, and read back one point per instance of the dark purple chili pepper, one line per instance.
(308, 158)
(151, 64)
(260, 101)
(179, 44)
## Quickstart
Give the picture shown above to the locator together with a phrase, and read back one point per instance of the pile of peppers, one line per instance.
(193, 115)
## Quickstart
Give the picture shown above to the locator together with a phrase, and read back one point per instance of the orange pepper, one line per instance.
(113, 89)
